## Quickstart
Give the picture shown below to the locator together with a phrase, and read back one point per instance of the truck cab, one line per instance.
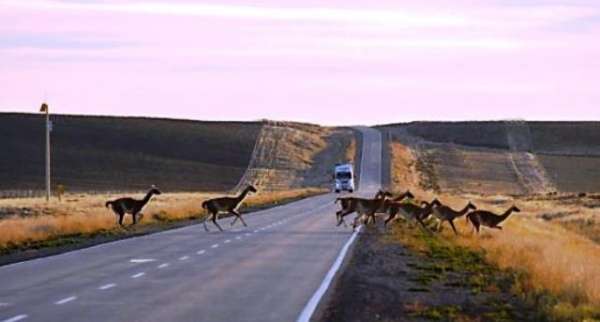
(343, 178)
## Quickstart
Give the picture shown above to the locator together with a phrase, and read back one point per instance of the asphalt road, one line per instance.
(266, 272)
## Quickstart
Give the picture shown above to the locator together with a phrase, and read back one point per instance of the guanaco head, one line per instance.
(471, 206)
(435, 203)
(154, 190)
(515, 209)
(251, 188)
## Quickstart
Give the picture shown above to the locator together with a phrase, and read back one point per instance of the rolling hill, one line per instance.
(99, 153)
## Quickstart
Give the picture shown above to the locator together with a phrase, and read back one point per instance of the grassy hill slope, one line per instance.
(479, 152)
(93, 153)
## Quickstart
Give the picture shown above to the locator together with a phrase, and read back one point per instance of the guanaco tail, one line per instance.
(489, 219)
(131, 206)
(230, 205)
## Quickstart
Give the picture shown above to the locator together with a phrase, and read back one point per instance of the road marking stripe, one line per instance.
(16, 318)
(238, 237)
(311, 306)
(227, 241)
(140, 274)
(215, 246)
(107, 286)
(163, 265)
(256, 230)
(200, 252)
(248, 234)
(183, 258)
(66, 300)
(142, 260)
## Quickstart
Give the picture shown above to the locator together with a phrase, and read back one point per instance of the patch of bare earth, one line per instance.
(391, 278)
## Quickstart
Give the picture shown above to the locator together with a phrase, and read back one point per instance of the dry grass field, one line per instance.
(551, 239)
(31, 222)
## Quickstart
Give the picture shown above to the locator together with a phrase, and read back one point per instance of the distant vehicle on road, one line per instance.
(344, 177)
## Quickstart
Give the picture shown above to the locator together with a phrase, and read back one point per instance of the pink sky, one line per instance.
(328, 62)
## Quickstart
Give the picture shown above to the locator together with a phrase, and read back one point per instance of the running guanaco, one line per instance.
(230, 205)
(489, 219)
(127, 205)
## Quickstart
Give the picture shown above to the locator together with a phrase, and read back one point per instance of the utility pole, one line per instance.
(44, 108)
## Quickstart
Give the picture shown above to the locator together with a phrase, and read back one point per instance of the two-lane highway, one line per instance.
(269, 271)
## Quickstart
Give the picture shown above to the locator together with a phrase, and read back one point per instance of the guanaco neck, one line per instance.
(505, 215)
(147, 198)
(243, 195)
(464, 210)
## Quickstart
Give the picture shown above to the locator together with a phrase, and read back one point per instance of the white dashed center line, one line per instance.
(227, 241)
(214, 246)
(107, 286)
(200, 252)
(238, 237)
(256, 230)
(183, 258)
(163, 265)
(140, 274)
(66, 300)
(16, 318)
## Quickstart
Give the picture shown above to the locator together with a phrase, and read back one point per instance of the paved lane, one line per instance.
(266, 272)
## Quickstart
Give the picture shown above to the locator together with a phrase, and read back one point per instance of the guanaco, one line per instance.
(368, 210)
(489, 219)
(348, 202)
(230, 205)
(445, 213)
(409, 210)
(361, 206)
(131, 206)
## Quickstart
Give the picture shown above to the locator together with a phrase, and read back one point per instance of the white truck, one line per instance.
(344, 177)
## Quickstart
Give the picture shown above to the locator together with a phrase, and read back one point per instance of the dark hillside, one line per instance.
(572, 138)
(483, 134)
(117, 153)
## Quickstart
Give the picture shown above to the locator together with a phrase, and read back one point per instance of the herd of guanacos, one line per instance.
(366, 209)
(395, 208)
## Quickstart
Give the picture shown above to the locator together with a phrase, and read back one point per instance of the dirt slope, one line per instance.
(293, 155)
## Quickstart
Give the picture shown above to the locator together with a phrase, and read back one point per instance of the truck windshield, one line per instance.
(343, 175)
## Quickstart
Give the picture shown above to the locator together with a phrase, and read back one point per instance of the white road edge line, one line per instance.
(107, 286)
(163, 265)
(183, 258)
(140, 274)
(200, 252)
(215, 246)
(66, 300)
(16, 318)
(311, 306)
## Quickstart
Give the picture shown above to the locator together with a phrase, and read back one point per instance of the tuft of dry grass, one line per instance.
(88, 215)
(555, 259)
